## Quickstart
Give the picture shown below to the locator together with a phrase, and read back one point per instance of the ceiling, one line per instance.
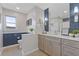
(25, 7)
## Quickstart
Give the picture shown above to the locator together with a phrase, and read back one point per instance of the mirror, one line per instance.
(29, 22)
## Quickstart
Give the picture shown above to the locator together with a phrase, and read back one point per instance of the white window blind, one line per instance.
(10, 21)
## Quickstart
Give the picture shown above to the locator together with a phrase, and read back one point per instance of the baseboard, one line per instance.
(26, 54)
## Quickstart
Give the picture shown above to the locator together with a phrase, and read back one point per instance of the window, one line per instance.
(76, 18)
(76, 15)
(10, 21)
(75, 9)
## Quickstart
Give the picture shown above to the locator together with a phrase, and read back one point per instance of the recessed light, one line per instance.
(17, 8)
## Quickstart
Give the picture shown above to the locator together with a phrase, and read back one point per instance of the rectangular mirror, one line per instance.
(29, 22)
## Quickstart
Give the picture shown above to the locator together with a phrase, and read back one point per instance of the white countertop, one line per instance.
(62, 37)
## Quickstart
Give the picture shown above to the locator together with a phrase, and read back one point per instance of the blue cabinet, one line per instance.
(10, 39)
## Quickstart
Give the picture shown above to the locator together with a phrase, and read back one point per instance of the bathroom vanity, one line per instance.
(12, 38)
(58, 45)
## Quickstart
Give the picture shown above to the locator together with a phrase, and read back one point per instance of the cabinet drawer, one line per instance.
(40, 36)
(71, 43)
(55, 39)
(67, 50)
(65, 53)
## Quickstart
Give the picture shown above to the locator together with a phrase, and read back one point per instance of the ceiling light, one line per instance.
(46, 19)
(65, 11)
(17, 8)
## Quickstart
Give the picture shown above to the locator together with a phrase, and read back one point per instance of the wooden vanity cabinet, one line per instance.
(70, 47)
(50, 45)
(55, 46)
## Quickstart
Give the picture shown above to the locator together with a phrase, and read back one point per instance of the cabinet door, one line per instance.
(1, 42)
(9, 39)
(69, 51)
(52, 47)
(41, 42)
(56, 48)
(45, 45)
(48, 46)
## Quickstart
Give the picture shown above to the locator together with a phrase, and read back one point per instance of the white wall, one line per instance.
(1, 37)
(20, 21)
(56, 15)
(31, 15)
(39, 20)
(58, 9)
(37, 17)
